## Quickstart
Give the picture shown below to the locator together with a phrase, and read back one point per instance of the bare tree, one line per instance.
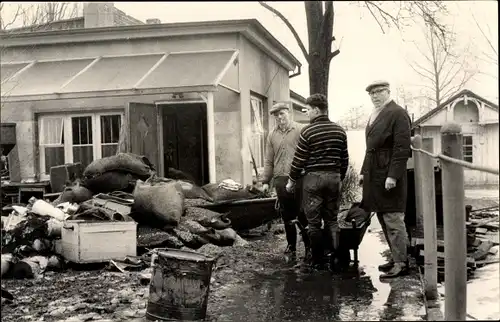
(320, 17)
(354, 118)
(490, 54)
(443, 66)
(37, 15)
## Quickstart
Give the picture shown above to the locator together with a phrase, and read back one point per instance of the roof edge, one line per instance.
(434, 111)
(16, 39)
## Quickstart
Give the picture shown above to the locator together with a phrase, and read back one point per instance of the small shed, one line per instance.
(479, 120)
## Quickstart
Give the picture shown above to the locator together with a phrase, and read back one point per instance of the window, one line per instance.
(258, 134)
(467, 148)
(77, 138)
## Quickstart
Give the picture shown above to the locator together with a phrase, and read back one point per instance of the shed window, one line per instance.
(258, 133)
(467, 147)
(75, 138)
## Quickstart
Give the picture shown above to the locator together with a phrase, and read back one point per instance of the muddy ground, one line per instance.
(101, 294)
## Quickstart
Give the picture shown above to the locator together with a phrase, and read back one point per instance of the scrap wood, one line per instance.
(485, 209)
(440, 255)
(483, 250)
(487, 261)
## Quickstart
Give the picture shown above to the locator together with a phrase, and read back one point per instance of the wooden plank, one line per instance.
(470, 260)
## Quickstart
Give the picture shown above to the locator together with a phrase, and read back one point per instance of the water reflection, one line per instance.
(317, 296)
(393, 309)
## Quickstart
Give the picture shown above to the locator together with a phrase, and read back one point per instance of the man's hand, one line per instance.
(265, 187)
(290, 186)
(390, 183)
(360, 180)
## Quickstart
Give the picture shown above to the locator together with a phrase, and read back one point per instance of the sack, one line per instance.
(356, 212)
(75, 194)
(126, 162)
(192, 191)
(220, 194)
(110, 181)
(158, 204)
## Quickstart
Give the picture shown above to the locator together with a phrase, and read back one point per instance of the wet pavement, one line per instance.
(286, 294)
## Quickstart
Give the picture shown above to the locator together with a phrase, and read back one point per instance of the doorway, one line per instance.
(185, 144)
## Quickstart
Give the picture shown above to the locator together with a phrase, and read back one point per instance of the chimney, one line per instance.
(99, 14)
(153, 21)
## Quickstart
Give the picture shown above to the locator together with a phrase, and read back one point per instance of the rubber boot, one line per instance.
(291, 235)
(334, 242)
(317, 250)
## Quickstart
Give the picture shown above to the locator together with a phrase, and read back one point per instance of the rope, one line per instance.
(459, 162)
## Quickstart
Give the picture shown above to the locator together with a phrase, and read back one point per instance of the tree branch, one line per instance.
(426, 76)
(290, 26)
(334, 53)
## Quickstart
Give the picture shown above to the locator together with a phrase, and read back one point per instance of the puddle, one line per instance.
(289, 295)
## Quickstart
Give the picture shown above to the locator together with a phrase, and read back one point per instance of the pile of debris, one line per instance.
(482, 237)
(122, 188)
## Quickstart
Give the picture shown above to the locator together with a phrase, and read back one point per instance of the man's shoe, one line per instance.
(399, 269)
(386, 267)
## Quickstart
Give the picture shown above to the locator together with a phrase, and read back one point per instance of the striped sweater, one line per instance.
(322, 147)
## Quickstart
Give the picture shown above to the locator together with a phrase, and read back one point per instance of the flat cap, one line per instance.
(379, 83)
(278, 107)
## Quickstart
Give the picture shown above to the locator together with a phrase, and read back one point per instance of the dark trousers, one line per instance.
(321, 202)
(290, 209)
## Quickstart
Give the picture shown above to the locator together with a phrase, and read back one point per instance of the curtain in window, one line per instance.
(52, 141)
(257, 142)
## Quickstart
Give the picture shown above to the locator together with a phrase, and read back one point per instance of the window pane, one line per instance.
(83, 154)
(109, 150)
(82, 130)
(467, 140)
(110, 128)
(53, 157)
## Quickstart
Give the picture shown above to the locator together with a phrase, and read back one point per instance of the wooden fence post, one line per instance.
(430, 233)
(417, 166)
(425, 189)
(455, 242)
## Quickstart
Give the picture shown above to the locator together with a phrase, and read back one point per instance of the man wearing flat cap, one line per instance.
(280, 149)
(383, 174)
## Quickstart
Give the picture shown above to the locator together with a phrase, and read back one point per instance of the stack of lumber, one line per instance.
(482, 235)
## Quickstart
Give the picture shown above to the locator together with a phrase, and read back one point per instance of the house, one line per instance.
(299, 105)
(479, 120)
(191, 96)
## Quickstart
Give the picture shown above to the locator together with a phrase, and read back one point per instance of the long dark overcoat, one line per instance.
(388, 140)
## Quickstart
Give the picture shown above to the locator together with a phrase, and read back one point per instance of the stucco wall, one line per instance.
(228, 135)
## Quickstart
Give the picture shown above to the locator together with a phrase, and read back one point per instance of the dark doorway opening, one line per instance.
(185, 145)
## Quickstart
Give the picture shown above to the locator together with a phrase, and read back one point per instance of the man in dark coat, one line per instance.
(383, 173)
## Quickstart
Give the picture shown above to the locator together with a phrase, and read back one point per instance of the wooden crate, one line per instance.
(98, 242)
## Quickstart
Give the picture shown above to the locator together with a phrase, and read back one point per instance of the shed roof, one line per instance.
(115, 75)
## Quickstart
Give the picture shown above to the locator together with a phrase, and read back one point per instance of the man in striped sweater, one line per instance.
(322, 153)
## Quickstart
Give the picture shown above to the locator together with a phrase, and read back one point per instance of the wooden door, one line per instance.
(143, 131)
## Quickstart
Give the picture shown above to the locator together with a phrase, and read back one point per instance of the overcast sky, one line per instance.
(366, 53)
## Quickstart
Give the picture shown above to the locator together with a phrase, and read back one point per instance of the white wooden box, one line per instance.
(94, 242)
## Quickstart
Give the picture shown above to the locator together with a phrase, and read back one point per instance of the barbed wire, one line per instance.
(459, 162)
